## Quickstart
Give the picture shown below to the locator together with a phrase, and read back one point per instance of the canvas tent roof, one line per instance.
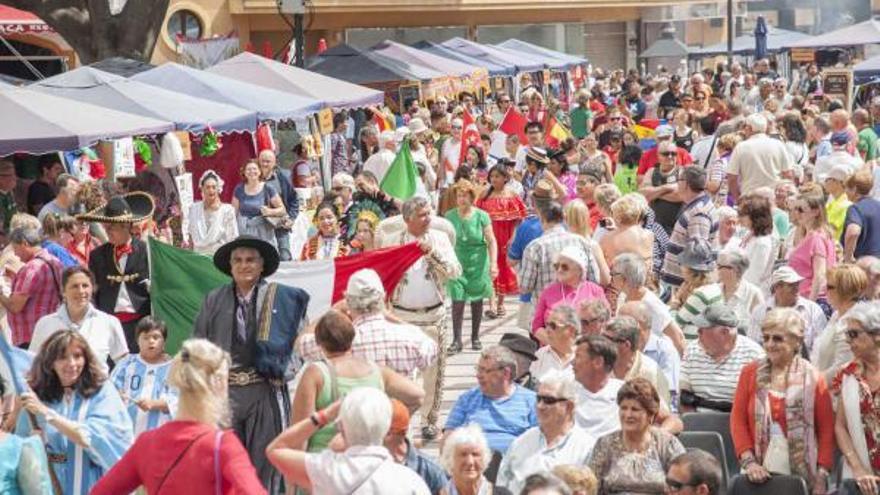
(412, 55)
(122, 66)
(46, 123)
(371, 67)
(268, 73)
(493, 54)
(867, 71)
(570, 61)
(777, 39)
(665, 47)
(188, 113)
(268, 103)
(496, 67)
(863, 33)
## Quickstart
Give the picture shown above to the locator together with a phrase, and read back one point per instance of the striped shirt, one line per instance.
(716, 380)
(744, 300)
(40, 280)
(697, 220)
(136, 379)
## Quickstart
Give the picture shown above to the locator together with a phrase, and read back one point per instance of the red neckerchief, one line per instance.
(122, 250)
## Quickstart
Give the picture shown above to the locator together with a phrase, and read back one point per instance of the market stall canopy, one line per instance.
(777, 39)
(491, 53)
(863, 33)
(340, 50)
(867, 71)
(464, 77)
(666, 46)
(46, 123)
(188, 113)
(269, 104)
(545, 61)
(368, 67)
(495, 67)
(570, 61)
(122, 66)
(14, 21)
(268, 73)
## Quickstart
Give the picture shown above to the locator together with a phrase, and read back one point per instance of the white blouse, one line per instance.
(211, 229)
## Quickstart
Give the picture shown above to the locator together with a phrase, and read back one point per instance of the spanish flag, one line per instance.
(381, 120)
(556, 133)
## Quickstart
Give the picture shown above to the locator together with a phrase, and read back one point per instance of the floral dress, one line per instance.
(869, 409)
(624, 472)
(506, 212)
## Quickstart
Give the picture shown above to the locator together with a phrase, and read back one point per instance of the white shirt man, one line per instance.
(379, 163)
(596, 409)
(758, 161)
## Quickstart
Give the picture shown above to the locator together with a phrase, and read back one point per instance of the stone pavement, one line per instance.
(460, 375)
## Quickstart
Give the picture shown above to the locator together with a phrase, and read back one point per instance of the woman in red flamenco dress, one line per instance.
(506, 209)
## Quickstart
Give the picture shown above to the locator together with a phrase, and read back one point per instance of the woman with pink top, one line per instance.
(571, 287)
(814, 252)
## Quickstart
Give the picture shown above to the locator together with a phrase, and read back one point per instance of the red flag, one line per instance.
(514, 123)
(381, 120)
(470, 136)
(555, 133)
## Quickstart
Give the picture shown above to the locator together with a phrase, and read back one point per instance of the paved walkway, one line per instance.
(460, 375)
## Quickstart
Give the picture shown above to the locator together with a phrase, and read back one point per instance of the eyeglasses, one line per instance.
(614, 118)
(552, 325)
(669, 153)
(564, 267)
(546, 399)
(480, 370)
(614, 338)
(590, 321)
(676, 485)
(456, 127)
(777, 339)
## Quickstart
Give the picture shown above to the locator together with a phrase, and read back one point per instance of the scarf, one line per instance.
(800, 393)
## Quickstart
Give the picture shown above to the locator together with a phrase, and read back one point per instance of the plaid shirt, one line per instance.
(537, 271)
(697, 220)
(399, 346)
(40, 280)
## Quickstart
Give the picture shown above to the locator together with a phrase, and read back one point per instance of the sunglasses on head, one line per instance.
(777, 339)
(546, 399)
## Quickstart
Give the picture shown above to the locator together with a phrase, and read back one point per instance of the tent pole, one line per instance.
(730, 21)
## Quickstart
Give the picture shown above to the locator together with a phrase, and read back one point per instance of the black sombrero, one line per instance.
(223, 255)
(128, 208)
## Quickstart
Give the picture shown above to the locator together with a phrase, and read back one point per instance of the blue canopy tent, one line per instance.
(522, 63)
(570, 61)
(269, 104)
(777, 40)
(188, 113)
(496, 67)
(548, 62)
(867, 71)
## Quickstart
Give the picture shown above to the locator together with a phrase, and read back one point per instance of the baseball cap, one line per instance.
(786, 275)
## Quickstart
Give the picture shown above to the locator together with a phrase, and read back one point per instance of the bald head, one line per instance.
(839, 119)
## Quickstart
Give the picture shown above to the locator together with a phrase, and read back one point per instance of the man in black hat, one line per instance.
(120, 266)
(233, 317)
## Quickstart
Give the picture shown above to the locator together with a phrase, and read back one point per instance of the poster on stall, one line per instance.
(123, 158)
(184, 184)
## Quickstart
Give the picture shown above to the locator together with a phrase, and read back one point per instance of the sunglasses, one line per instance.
(777, 339)
(552, 325)
(457, 127)
(675, 485)
(546, 399)
(669, 153)
(561, 267)
(613, 118)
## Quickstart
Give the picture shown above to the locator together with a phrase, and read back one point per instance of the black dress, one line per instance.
(665, 211)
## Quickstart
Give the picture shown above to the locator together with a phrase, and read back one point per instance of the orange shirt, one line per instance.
(742, 417)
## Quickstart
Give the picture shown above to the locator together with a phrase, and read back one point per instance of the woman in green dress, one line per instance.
(477, 252)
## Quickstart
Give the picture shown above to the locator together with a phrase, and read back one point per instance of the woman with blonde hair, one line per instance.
(193, 450)
(782, 420)
(629, 235)
(814, 252)
(605, 194)
(717, 173)
(576, 215)
(846, 284)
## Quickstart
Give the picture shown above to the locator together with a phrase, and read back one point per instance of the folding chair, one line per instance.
(711, 442)
(718, 422)
(776, 485)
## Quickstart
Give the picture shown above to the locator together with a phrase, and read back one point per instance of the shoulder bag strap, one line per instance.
(218, 479)
(711, 150)
(177, 460)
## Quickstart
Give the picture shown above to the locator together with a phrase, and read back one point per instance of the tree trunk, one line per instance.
(94, 34)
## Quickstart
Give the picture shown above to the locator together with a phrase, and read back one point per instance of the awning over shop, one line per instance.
(188, 113)
(494, 54)
(867, 71)
(335, 93)
(46, 123)
(570, 61)
(466, 77)
(269, 104)
(14, 21)
(496, 67)
(777, 39)
(863, 33)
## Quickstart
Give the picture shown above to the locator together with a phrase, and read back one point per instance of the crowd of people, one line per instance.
(703, 243)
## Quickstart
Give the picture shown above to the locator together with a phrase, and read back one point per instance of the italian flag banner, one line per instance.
(180, 280)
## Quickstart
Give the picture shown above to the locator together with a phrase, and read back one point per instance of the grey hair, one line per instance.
(866, 314)
(632, 268)
(757, 123)
(25, 235)
(736, 257)
(412, 205)
(502, 356)
(563, 383)
(640, 312)
(569, 316)
(365, 416)
(598, 307)
(368, 303)
(627, 328)
(471, 434)
(726, 212)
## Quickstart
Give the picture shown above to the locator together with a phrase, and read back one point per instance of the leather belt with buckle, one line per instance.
(244, 378)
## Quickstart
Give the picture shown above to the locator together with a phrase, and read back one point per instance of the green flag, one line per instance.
(179, 281)
(400, 180)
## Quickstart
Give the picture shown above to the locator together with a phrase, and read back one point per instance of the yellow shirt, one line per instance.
(835, 209)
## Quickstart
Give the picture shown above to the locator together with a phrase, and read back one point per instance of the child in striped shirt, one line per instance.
(141, 378)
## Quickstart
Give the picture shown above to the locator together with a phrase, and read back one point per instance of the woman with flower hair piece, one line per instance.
(212, 223)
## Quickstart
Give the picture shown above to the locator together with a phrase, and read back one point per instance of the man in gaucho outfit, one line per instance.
(256, 321)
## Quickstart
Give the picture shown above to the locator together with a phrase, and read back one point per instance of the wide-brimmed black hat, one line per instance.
(223, 255)
(128, 208)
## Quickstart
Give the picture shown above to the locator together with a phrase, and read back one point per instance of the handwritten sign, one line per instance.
(184, 183)
(123, 158)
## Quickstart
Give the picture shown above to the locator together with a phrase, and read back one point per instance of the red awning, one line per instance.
(14, 21)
